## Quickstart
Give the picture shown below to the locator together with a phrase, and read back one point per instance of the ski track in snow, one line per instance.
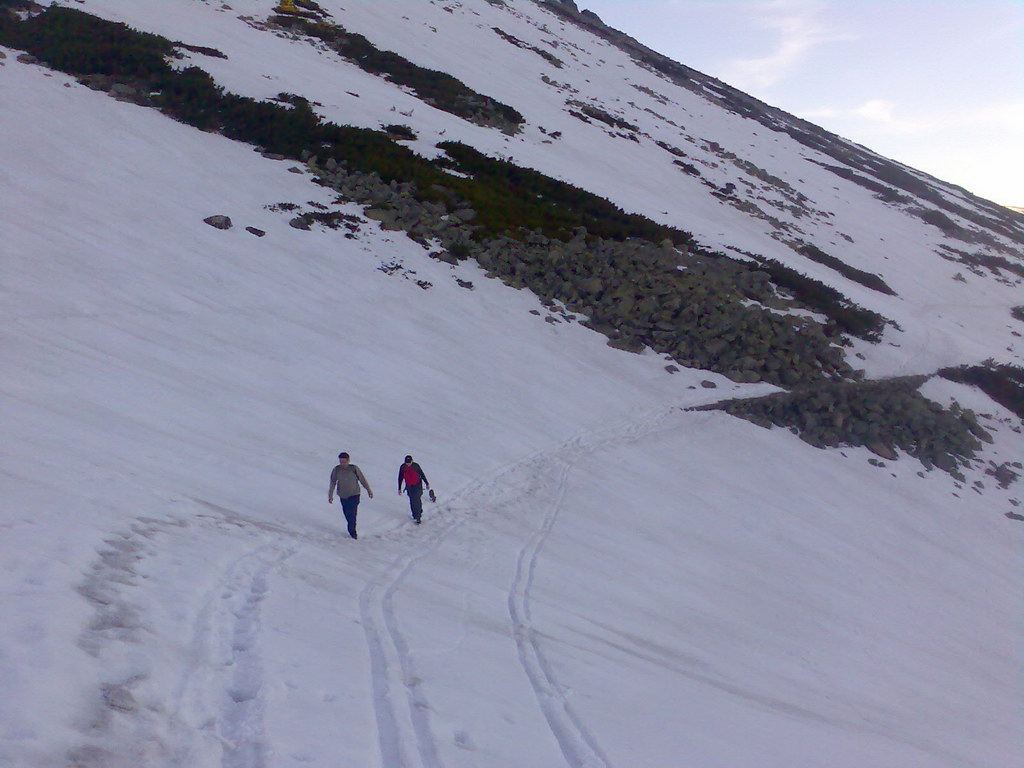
(403, 726)
(222, 676)
(579, 746)
(226, 634)
(241, 724)
(403, 721)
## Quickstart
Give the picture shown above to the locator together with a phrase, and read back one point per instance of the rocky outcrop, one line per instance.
(886, 417)
(704, 311)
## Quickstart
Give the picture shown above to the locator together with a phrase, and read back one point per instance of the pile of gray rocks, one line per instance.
(884, 416)
(703, 310)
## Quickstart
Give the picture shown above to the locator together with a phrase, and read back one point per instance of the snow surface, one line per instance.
(606, 580)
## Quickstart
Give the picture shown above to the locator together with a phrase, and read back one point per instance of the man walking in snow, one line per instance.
(412, 475)
(347, 478)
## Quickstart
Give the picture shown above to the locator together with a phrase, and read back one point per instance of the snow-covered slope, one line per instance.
(606, 580)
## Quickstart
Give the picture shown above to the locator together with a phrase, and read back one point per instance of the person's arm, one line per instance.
(361, 479)
(400, 480)
(423, 475)
(330, 488)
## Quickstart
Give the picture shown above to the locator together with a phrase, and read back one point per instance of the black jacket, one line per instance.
(419, 471)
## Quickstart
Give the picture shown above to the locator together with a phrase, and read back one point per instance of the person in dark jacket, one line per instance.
(411, 474)
(347, 478)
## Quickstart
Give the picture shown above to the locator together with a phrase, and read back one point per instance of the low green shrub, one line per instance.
(1002, 382)
(848, 316)
(436, 88)
(867, 279)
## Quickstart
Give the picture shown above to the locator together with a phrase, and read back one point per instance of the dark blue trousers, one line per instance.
(415, 499)
(349, 506)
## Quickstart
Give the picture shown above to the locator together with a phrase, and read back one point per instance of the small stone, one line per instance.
(219, 221)
(27, 58)
(299, 222)
(295, 169)
(708, 384)
(883, 450)
(672, 368)
(118, 697)
(254, 231)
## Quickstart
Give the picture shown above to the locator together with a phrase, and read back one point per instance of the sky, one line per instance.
(935, 84)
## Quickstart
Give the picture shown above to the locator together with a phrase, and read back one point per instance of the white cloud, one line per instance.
(882, 116)
(800, 29)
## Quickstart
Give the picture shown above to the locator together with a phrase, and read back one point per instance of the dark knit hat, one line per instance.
(342, 455)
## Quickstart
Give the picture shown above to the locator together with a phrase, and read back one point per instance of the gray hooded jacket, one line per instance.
(347, 481)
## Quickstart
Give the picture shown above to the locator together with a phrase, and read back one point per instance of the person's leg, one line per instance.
(350, 506)
(416, 501)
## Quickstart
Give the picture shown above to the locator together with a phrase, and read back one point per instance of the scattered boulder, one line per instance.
(626, 345)
(254, 231)
(883, 450)
(708, 384)
(219, 221)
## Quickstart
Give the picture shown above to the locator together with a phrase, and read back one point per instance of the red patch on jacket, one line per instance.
(410, 475)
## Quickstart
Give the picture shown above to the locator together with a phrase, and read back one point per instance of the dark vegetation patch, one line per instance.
(555, 84)
(661, 99)
(81, 44)
(400, 132)
(331, 220)
(438, 89)
(1017, 313)
(510, 198)
(867, 279)
(883, 416)
(847, 316)
(596, 113)
(980, 261)
(689, 168)
(1003, 383)
(202, 49)
(546, 55)
(882, 191)
(939, 220)
(672, 150)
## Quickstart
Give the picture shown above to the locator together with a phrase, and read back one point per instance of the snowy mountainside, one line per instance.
(756, 190)
(608, 578)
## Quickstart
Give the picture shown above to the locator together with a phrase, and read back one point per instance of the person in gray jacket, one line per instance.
(347, 478)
